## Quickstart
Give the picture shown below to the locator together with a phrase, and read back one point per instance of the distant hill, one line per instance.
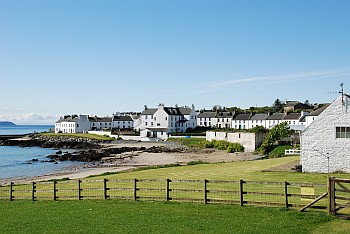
(6, 124)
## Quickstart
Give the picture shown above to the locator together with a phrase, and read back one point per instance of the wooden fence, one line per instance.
(241, 192)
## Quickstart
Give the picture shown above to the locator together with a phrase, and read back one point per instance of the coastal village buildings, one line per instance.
(325, 143)
(162, 121)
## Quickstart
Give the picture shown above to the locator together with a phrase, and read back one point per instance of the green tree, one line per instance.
(276, 134)
(277, 105)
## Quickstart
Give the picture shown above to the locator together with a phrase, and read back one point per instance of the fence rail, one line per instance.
(241, 192)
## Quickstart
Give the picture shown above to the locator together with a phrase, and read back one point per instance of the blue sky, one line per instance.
(99, 57)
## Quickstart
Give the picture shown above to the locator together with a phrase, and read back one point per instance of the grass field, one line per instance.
(190, 142)
(158, 217)
(247, 170)
(89, 136)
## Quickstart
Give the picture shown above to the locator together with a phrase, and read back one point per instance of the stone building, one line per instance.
(325, 143)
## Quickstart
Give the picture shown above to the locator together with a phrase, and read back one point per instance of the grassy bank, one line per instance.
(147, 217)
(79, 135)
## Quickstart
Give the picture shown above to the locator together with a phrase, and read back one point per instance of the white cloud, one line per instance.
(278, 78)
(30, 118)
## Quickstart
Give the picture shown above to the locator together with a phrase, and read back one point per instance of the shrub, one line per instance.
(235, 147)
(279, 151)
(223, 145)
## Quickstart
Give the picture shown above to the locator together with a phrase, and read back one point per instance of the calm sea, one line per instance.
(16, 161)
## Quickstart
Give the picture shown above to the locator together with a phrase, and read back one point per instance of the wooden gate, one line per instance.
(339, 197)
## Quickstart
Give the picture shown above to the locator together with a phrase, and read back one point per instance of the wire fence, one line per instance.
(241, 192)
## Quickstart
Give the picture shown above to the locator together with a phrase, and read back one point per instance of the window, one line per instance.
(77, 125)
(158, 124)
(342, 132)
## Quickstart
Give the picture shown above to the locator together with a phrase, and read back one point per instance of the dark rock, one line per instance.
(59, 152)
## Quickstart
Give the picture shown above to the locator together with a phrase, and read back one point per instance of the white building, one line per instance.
(325, 143)
(223, 119)
(160, 122)
(206, 119)
(100, 123)
(241, 121)
(122, 122)
(258, 120)
(72, 124)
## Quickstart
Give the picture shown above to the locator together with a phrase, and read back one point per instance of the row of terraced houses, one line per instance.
(161, 121)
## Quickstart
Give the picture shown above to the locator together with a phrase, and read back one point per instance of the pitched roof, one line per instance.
(122, 118)
(242, 117)
(207, 114)
(292, 116)
(172, 110)
(224, 114)
(318, 111)
(185, 110)
(149, 111)
(276, 116)
(100, 119)
(262, 116)
(68, 118)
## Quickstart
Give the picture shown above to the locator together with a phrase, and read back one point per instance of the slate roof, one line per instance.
(68, 118)
(292, 116)
(242, 117)
(122, 118)
(149, 111)
(318, 111)
(259, 117)
(224, 115)
(276, 116)
(100, 119)
(207, 114)
(185, 110)
(172, 110)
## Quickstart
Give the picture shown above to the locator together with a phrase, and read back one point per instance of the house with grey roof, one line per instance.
(223, 119)
(314, 114)
(162, 121)
(241, 120)
(258, 120)
(122, 122)
(100, 123)
(274, 119)
(206, 119)
(72, 124)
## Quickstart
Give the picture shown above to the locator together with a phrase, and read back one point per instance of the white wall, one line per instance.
(250, 141)
(321, 151)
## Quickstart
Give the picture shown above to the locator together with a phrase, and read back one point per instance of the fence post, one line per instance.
(241, 192)
(331, 195)
(135, 189)
(168, 189)
(33, 191)
(11, 191)
(286, 194)
(205, 192)
(105, 188)
(54, 190)
(79, 189)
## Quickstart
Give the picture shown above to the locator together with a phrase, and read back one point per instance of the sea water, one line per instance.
(17, 161)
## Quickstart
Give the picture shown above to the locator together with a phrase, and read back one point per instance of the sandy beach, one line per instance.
(131, 160)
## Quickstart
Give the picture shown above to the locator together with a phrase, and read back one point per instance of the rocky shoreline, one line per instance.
(89, 150)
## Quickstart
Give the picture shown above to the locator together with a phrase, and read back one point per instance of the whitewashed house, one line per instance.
(258, 120)
(162, 121)
(223, 119)
(274, 119)
(122, 122)
(295, 120)
(100, 123)
(72, 124)
(313, 115)
(241, 121)
(206, 119)
(325, 143)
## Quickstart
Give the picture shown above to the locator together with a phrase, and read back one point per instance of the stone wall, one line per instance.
(321, 151)
(250, 141)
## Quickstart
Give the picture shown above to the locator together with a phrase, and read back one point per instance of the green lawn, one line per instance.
(247, 170)
(191, 142)
(157, 217)
(89, 136)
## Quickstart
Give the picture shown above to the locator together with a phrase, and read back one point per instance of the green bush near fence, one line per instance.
(279, 151)
(223, 145)
(158, 217)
